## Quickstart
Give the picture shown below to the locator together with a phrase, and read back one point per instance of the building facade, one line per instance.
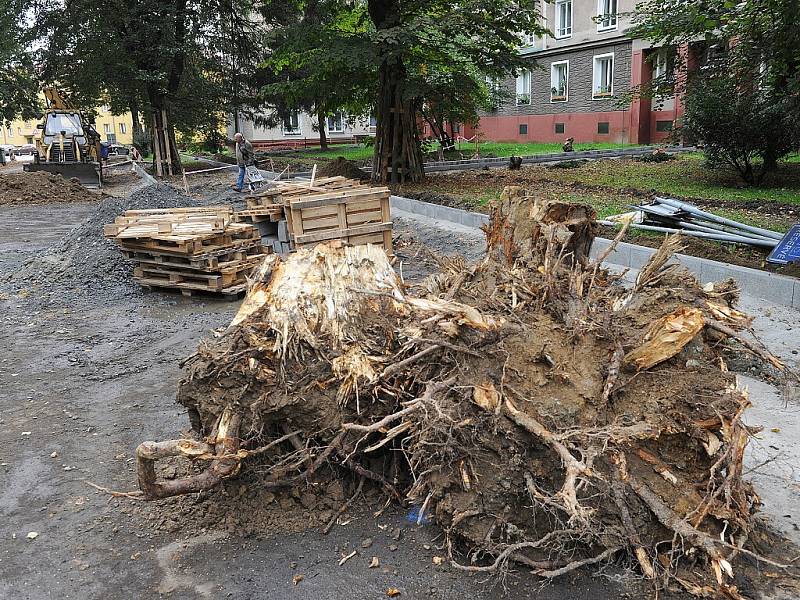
(302, 129)
(579, 79)
(116, 129)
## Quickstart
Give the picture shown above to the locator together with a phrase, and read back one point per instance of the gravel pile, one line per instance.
(84, 263)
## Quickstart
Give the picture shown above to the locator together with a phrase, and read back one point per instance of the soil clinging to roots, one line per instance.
(540, 410)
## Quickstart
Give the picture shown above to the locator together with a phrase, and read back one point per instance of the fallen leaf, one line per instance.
(438, 560)
(297, 579)
(775, 430)
(32, 535)
(392, 592)
(374, 563)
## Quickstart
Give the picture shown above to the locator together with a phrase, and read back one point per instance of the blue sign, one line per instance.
(788, 249)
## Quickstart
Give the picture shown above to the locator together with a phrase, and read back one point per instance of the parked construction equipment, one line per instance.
(68, 144)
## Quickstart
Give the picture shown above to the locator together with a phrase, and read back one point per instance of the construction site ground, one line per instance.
(84, 378)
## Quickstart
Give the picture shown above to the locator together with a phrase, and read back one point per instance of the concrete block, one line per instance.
(276, 246)
(283, 231)
(446, 213)
(639, 255)
(692, 263)
(796, 295)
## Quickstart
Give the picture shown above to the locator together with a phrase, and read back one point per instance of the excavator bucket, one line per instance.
(89, 175)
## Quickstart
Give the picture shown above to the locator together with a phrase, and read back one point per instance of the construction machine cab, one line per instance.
(68, 144)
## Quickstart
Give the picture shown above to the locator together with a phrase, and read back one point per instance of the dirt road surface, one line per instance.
(84, 381)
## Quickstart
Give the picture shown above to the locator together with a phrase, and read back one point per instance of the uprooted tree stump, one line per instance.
(540, 410)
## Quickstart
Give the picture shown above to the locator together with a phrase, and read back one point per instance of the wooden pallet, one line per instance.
(212, 282)
(189, 249)
(141, 223)
(231, 292)
(231, 259)
(193, 243)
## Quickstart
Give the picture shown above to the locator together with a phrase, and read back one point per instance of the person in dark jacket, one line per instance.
(244, 158)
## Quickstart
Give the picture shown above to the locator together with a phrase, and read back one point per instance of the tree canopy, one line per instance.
(19, 91)
(411, 59)
(744, 99)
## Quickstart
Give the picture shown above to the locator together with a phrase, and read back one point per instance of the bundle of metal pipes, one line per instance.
(673, 216)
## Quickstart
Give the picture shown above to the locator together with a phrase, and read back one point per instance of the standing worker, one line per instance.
(244, 159)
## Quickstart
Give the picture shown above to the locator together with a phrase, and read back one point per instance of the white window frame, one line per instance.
(369, 122)
(660, 64)
(596, 77)
(554, 82)
(612, 17)
(561, 29)
(292, 132)
(123, 128)
(330, 129)
(107, 128)
(528, 40)
(526, 91)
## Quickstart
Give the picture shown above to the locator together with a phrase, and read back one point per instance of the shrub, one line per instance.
(740, 125)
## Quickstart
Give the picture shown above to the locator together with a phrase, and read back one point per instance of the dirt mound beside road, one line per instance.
(40, 187)
(342, 167)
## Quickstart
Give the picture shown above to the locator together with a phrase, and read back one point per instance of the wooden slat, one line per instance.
(341, 233)
(340, 197)
(372, 238)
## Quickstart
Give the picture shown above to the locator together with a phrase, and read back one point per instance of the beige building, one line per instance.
(112, 128)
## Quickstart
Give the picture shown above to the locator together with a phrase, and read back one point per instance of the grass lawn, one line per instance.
(611, 185)
(359, 153)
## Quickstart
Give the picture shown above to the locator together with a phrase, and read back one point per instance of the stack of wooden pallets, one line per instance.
(329, 208)
(190, 249)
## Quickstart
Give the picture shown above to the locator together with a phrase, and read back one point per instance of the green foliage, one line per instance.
(18, 85)
(740, 125)
(745, 103)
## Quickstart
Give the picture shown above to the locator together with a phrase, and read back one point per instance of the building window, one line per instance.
(336, 123)
(373, 121)
(524, 87)
(107, 128)
(606, 14)
(291, 124)
(663, 125)
(523, 129)
(456, 127)
(123, 128)
(603, 86)
(660, 64)
(528, 40)
(563, 18)
(602, 127)
(559, 81)
(559, 128)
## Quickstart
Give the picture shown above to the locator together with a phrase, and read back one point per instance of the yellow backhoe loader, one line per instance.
(68, 143)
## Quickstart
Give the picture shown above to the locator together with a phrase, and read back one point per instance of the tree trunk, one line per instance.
(397, 155)
(137, 125)
(323, 140)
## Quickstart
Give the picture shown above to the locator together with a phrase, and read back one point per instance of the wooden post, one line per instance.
(165, 133)
(157, 147)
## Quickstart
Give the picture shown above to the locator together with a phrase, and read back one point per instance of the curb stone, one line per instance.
(778, 289)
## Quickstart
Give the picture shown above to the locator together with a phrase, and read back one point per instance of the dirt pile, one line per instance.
(86, 263)
(342, 167)
(540, 410)
(42, 188)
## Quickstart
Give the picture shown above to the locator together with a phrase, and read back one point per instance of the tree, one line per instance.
(751, 68)
(313, 66)
(168, 59)
(18, 84)
(413, 37)
(740, 125)
(416, 58)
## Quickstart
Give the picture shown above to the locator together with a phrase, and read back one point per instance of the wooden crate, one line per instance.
(355, 214)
